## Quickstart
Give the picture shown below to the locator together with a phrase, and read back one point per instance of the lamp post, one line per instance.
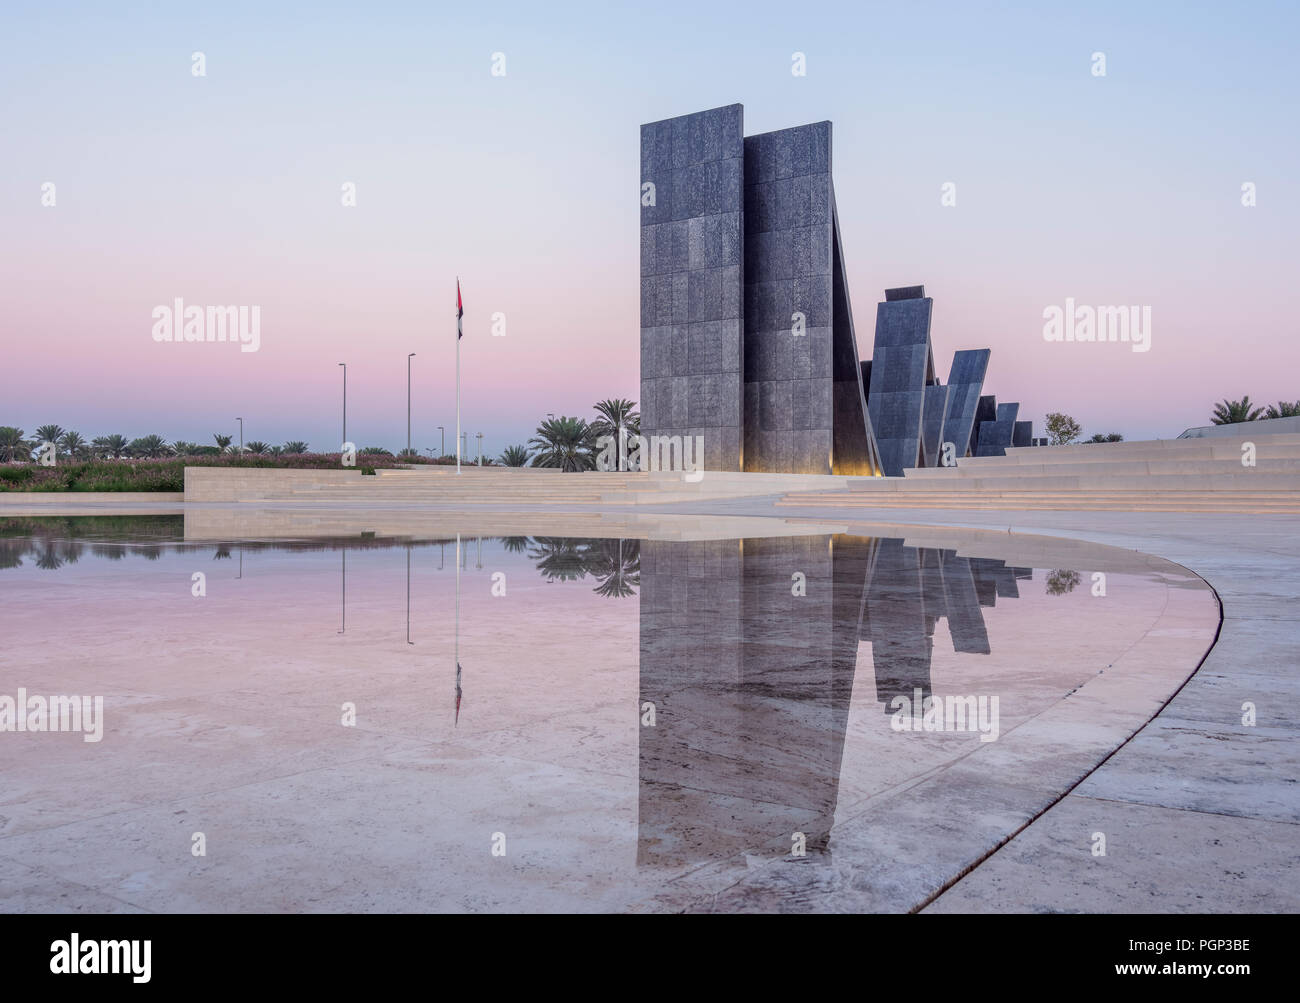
(345, 401)
(241, 435)
(464, 447)
(442, 448)
(409, 357)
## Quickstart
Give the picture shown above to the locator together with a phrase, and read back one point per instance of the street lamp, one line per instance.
(442, 449)
(241, 435)
(345, 401)
(408, 402)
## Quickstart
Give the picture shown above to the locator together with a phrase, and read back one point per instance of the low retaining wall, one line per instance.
(234, 484)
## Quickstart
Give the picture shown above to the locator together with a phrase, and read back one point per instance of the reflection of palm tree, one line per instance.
(222, 553)
(515, 544)
(617, 564)
(559, 559)
(48, 559)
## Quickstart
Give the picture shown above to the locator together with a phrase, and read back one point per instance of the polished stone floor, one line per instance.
(659, 721)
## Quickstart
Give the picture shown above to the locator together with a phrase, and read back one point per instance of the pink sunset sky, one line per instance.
(226, 189)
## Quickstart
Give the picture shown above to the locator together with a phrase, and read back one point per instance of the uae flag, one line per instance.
(460, 312)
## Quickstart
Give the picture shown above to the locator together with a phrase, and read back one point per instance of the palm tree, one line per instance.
(74, 445)
(183, 447)
(12, 444)
(149, 445)
(295, 446)
(1232, 412)
(375, 451)
(49, 433)
(514, 456)
(223, 441)
(566, 443)
(111, 445)
(1283, 409)
(617, 415)
(276, 450)
(257, 447)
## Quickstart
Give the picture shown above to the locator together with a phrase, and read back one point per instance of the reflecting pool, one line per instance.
(464, 722)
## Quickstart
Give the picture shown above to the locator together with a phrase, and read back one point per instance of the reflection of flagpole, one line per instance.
(344, 626)
(457, 628)
(408, 595)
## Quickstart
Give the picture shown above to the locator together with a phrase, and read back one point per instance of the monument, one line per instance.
(748, 347)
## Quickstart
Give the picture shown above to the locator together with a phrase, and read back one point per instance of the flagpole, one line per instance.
(458, 337)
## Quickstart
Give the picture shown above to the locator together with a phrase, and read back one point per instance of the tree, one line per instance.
(74, 445)
(514, 456)
(111, 445)
(1105, 437)
(617, 415)
(223, 441)
(1283, 409)
(566, 443)
(1232, 412)
(257, 447)
(151, 446)
(1062, 429)
(12, 444)
(49, 433)
(375, 451)
(295, 446)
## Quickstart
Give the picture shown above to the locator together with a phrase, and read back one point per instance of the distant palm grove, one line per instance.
(1230, 412)
(54, 458)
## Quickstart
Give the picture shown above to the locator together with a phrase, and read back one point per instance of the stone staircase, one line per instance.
(1165, 475)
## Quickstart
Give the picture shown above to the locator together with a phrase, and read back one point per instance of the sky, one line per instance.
(227, 188)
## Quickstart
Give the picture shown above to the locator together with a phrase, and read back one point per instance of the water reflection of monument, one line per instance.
(751, 683)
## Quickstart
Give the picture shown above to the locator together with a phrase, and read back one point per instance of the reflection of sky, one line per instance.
(225, 189)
